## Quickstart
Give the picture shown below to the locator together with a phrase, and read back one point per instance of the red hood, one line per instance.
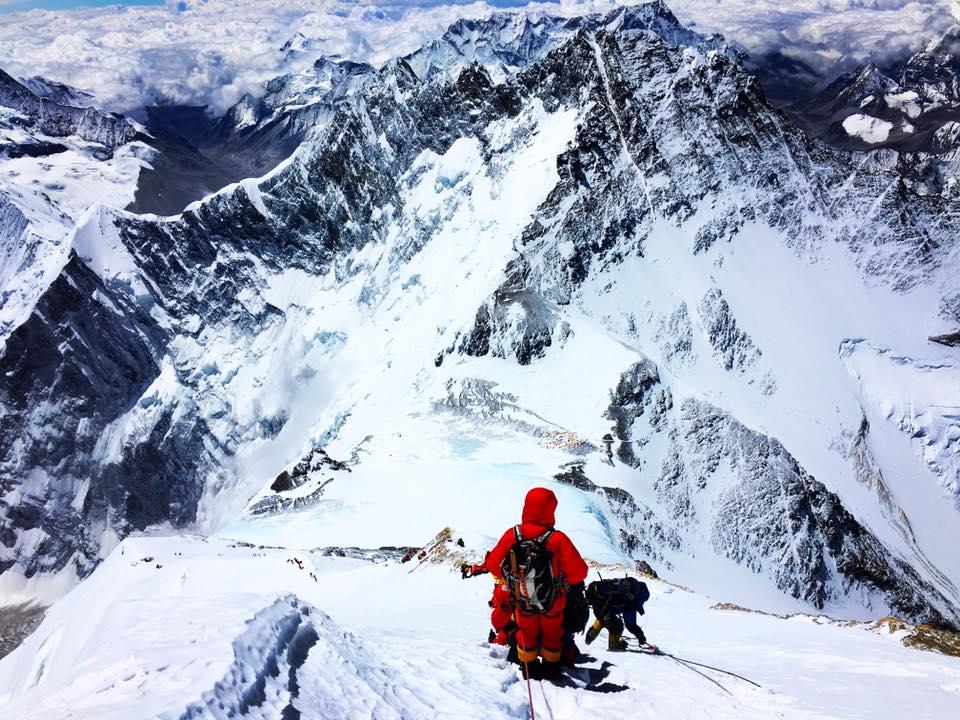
(539, 507)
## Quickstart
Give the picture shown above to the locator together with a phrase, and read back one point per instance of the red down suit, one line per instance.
(541, 634)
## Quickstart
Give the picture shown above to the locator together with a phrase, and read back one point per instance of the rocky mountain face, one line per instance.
(754, 503)
(49, 116)
(199, 155)
(56, 159)
(604, 211)
(59, 92)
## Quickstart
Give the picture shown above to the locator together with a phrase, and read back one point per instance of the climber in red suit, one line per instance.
(541, 633)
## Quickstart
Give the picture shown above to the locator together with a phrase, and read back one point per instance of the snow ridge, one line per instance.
(262, 679)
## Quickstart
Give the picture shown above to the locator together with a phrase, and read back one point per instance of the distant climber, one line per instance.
(616, 603)
(538, 564)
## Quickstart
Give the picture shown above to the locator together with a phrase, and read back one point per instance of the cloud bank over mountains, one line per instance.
(213, 51)
(825, 34)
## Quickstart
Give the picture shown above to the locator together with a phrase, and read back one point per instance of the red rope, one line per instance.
(526, 671)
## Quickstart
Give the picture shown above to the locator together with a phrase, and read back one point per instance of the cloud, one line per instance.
(207, 52)
(830, 35)
(212, 51)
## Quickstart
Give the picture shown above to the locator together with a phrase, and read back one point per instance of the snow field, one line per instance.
(406, 641)
(333, 349)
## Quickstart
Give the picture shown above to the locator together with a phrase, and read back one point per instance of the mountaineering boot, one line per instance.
(571, 653)
(593, 631)
(616, 643)
(532, 669)
(549, 670)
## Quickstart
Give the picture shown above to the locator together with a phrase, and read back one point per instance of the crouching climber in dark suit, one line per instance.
(615, 604)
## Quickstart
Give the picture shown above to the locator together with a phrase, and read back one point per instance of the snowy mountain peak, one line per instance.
(946, 45)
(58, 92)
(60, 120)
(508, 42)
(579, 253)
(468, 277)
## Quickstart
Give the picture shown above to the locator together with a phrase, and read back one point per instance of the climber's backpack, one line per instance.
(616, 595)
(528, 570)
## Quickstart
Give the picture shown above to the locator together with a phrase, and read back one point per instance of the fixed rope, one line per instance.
(526, 672)
(721, 670)
(690, 663)
(693, 669)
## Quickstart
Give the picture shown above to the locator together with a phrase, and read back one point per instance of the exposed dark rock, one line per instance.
(630, 399)
(316, 466)
(31, 149)
(640, 531)
(382, 554)
(644, 567)
(16, 624)
(500, 330)
(282, 483)
(765, 511)
(948, 339)
(732, 347)
(58, 120)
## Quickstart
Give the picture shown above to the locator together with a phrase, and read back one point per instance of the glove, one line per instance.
(468, 571)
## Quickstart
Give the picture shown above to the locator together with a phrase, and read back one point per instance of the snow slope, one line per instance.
(211, 628)
(578, 249)
(615, 270)
(58, 162)
(603, 263)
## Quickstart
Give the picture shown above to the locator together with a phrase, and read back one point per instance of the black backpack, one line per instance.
(528, 570)
(576, 613)
(617, 594)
